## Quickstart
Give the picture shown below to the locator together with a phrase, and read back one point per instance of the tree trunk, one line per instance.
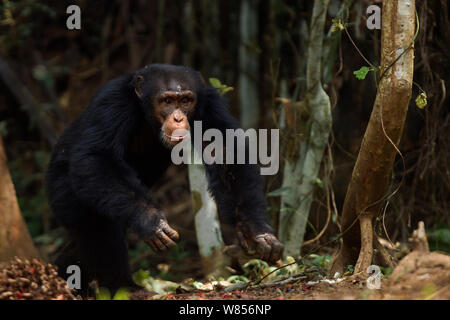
(369, 183)
(207, 226)
(15, 239)
(248, 64)
(300, 173)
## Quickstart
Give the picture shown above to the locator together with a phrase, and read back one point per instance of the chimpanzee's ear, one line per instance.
(138, 85)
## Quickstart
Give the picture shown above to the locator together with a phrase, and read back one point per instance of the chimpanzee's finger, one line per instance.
(263, 248)
(159, 244)
(165, 239)
(152, 246)
(277, 248)
(170, 232)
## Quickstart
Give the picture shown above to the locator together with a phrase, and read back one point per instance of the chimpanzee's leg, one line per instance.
(104, 255)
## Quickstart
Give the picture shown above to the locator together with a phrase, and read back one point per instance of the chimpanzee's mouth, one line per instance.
(175, 138)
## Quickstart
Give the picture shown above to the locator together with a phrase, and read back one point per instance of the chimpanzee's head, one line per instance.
(169, 96)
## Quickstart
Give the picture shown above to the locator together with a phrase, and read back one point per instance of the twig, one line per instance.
(294, 278)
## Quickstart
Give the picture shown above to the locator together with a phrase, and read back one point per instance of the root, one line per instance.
(366, 252)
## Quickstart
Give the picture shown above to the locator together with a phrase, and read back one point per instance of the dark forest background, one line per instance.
(61, 69)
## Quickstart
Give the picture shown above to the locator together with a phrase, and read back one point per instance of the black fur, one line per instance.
(105, 162)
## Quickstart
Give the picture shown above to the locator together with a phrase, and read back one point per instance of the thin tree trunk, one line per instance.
(369, 183)
(248, 64)
(15, 240)
(207, 226)
(300, 173)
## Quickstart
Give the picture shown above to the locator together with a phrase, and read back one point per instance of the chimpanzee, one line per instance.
(105, 162)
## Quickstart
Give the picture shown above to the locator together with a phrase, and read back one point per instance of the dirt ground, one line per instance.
(420, 275)
(423, 276)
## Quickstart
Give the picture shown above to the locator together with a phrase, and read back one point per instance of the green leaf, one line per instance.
(215, 82)
(319, 182)
(103, 294)
(225, 90)
(362, 73)
(337, 25)
(141, 275)
(238, 278)
(122, 294)
(421, 100)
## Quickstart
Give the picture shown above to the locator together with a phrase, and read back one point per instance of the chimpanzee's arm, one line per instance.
(100, 176)
(237, 188)
(112, 189)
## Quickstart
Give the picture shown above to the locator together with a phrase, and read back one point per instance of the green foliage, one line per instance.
(137, 251)
(172, 267)
(421, 100)
(143, 278)
(318, 260)
(349, 270)
(337, 25)
(178, 253)
(386, 271)
(140, 275)
(316, 264)
(319, 183)
(256, 267)
(439, 239)
(55, 238)
(3, 128)
(22, 20)
(122, 294)
(362, 73)
(237, 278)
(27, 173)
(104, 294)
(223, 88)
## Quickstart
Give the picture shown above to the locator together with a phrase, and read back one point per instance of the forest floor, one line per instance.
(419, 275)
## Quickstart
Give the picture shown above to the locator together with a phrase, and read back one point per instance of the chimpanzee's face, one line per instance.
(173, 106)
(172, 98)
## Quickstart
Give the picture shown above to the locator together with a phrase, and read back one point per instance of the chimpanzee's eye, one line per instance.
(185, 100)
(168, 100)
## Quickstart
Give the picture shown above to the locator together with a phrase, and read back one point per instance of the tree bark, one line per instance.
(15, 240)
(368, 187)
(300, 173)
(248, 64)
(207, 225)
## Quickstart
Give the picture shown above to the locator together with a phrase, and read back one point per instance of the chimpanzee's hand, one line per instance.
(164, 238)
(267, 245)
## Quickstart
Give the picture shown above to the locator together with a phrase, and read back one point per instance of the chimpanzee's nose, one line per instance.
(178, 116)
